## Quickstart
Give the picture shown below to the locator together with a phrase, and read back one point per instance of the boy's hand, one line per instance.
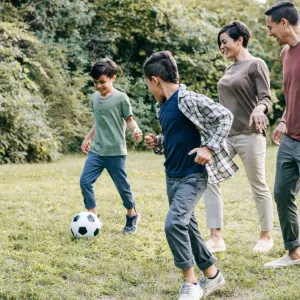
(278, 133)
(85, 146)
(137, 134)
(203, 155)
(150, 140)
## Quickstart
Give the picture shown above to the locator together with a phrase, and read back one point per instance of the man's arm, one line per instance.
(279, 130)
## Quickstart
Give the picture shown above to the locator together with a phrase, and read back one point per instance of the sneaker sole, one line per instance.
(220, 249)
(201, 295)
(219, 286)
(281, 266)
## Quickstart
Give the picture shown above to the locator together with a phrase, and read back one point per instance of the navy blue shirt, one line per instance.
(180, 137)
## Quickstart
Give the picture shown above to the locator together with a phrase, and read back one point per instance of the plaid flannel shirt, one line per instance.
(213, 121)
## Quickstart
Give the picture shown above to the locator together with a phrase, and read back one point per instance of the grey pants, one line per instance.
(251, 148)
(181, 227)
(285, 190)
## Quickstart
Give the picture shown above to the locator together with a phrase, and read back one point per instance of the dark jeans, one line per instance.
(285, 190)
(181, 226)
(115, 166)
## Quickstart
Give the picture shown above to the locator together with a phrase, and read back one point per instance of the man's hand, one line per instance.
(137, 134)
(259, 118)
(150, 140)
(85, 146)
(278, 133)
(203, 155)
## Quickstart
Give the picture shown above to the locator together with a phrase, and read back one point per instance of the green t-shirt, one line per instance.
(110, 114)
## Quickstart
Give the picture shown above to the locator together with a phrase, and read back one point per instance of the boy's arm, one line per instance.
(135, 130)
(88, 139)
(154, 143)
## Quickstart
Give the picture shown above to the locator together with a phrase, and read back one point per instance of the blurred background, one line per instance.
(47, 49)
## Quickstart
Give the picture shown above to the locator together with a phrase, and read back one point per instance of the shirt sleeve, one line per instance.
(215, 117)
(126, 108)
(261, 78)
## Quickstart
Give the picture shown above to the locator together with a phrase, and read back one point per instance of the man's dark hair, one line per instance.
(163, 65)
(105, 66)
(235, 30)
(286, 10)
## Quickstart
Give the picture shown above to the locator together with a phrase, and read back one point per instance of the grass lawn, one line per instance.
(39, 259)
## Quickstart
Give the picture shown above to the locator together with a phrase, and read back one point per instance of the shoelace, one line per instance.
(203, 281)
(185, 289)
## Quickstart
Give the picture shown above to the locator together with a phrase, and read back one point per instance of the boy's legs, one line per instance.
(214, 210)
(181, 227)
(93, 168)
(115, 166)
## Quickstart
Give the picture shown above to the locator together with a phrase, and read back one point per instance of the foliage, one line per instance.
(70, 35)
(24, 129)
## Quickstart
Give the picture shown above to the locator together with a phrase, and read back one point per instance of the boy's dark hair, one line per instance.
(163, 65)
(105, 66)
(235, 30)
(286, 10)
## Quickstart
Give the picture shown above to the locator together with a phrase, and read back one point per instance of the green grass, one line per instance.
(39, 259)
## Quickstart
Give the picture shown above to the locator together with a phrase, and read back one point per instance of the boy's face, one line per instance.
(155, 89)
(104, 84)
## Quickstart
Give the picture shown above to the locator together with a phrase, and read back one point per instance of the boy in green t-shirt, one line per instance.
(106, 144)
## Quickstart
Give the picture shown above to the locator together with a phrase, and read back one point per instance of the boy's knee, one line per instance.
(83, 183)
(172, 225)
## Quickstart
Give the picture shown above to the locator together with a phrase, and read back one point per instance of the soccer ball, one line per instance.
(85, 224)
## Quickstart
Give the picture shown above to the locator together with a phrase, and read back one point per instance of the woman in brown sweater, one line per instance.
(245, 91)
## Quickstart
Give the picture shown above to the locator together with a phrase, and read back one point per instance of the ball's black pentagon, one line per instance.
(76, 218)
(91, 218)
(82, 230)
(96, 232)
(73, 232)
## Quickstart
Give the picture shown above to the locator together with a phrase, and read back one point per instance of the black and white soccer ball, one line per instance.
(85, 224)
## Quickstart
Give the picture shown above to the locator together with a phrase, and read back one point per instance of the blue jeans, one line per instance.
(181, 227)
(115, 166)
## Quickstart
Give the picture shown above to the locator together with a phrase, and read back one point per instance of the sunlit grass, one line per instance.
(39, 259)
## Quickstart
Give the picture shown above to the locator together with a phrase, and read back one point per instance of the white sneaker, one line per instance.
(216, 246)
(284, 261)
(190, 291)
(263, 245)
(210, 285)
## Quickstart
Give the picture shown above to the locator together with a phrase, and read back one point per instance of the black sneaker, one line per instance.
(131, 223)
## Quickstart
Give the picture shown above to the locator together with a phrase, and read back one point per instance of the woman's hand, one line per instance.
(259, 118)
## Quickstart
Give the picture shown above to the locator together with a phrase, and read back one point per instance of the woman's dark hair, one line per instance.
(235, 30)
(163, 65)
(286, 10)
(105, 66)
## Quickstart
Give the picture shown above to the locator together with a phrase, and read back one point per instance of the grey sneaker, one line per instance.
(210, 285)
(190, 291)
(131, 223)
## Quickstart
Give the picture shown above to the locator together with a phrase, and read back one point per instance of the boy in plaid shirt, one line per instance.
(194, 130)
